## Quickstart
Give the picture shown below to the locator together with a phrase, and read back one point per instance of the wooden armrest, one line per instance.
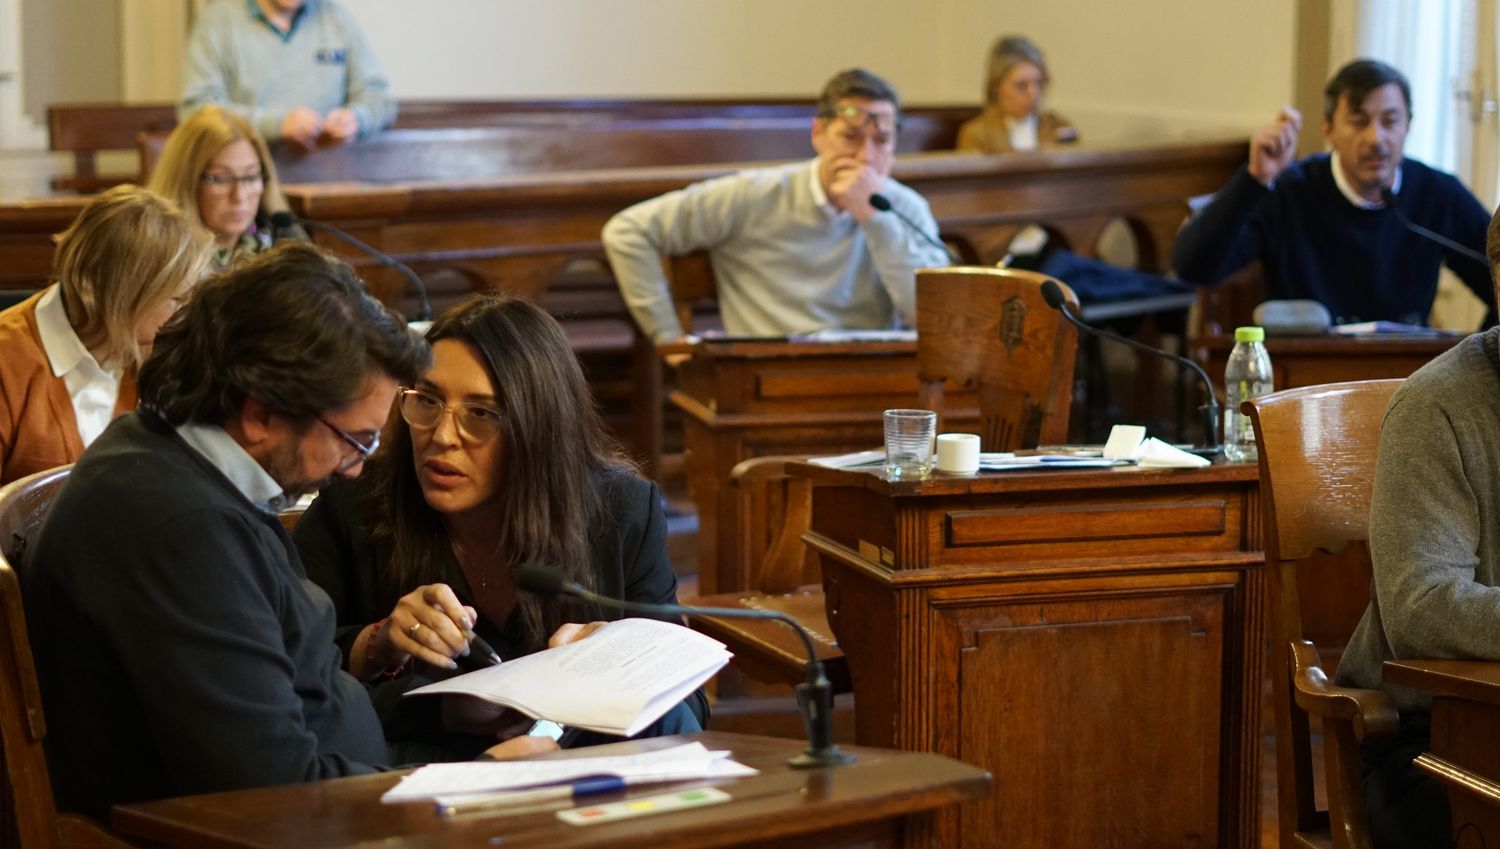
(754, 472)
(1371, 711)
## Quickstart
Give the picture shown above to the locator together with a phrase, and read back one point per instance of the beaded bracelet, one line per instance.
(389, 672)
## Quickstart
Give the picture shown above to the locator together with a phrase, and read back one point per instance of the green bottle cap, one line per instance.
(1250, 334)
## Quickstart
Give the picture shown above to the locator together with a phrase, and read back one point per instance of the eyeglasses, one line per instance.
(475, 422)
(364, 450)
(860, 124)
(217, 183)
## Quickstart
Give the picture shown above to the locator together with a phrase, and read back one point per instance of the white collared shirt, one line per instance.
(92, 388)
(1348, 191)
(231, 459)
(820, 195)
(1022, 132)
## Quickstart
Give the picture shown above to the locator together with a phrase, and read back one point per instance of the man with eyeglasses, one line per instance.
(179, 645)
(796, 248)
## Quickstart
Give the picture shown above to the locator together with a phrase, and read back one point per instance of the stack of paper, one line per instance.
(1004, 461)
(455, 783)
(618, 680)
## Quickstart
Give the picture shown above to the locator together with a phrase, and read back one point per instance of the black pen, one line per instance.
(486, 652)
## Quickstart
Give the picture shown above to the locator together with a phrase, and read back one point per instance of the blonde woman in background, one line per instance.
(216, 167)
(1013, 118)
(69, 354)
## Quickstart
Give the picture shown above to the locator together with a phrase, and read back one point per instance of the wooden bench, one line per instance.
(87, 129)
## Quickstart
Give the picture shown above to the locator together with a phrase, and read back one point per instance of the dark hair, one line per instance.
(292, 327)
(855, 82)
(1492, 248)
(1357, 79)
(554, 462)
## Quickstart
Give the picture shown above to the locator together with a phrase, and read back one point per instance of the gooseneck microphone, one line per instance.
(814, 696)
(284, 220)
(1209, 412)
(883, 204)
(1390, 201)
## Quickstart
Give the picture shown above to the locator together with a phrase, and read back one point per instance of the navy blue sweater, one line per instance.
(1312, 243)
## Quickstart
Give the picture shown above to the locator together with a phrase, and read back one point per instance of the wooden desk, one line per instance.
(1465, 752)
(1313, 360)
(750, 399)
(1093, 638)
(885, 799)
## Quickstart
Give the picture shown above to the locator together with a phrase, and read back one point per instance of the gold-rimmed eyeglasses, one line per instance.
(423, 410)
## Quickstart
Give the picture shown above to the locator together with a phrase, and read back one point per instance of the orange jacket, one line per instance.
(37, 427)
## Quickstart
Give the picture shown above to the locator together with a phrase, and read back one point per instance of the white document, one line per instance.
(851, 460)
(834, 334)
(617, 680)
(1004, 461)
(451, 783)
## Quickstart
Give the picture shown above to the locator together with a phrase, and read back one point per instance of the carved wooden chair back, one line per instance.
(990, 329)
(1317, 448)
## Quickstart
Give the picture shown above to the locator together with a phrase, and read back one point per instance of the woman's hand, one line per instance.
(572, 632)
(428, 623)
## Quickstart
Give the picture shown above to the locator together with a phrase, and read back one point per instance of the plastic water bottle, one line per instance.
(1248, 375)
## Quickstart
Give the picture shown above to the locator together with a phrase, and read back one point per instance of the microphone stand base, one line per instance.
(815, 758)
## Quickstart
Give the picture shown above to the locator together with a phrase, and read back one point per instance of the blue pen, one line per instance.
(591, 785)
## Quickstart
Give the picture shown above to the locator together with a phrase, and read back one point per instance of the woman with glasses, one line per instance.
(497, 459)
(216, 167)
(69, 354)
(1013, 119)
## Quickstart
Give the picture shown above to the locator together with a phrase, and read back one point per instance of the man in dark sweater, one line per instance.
(179, 645)
(1321, 227)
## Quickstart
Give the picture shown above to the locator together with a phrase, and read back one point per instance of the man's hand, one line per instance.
(340, 126)
(301, 126)
(571, 632)
(520, 747)
(852, 184)
(1273, 147)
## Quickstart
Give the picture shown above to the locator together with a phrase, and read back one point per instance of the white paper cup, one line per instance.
(958, 453)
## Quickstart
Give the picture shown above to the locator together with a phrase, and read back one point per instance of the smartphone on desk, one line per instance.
(546, 728)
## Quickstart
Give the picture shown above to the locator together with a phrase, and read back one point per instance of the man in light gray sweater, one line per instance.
(795, 248)
(1435, 547)
(299, 70)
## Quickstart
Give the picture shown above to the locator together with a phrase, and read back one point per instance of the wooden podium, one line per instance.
(875, 801)
(743, 399)
(1465, 753)
(1092, 638)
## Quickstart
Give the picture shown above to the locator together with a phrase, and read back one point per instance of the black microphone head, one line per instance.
(880, 202)
(1052, 294)
(283, 220)
(540, 581)
(1388, 197)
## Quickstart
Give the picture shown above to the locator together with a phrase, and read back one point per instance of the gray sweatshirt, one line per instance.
(1435, 522)
(236, 59)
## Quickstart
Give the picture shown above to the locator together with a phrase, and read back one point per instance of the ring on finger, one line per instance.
(412, 631)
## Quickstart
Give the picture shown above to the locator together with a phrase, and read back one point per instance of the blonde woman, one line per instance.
(217, 168)
(69, 354)
(1013, 118)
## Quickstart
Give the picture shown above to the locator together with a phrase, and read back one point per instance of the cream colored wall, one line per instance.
(1153, 63)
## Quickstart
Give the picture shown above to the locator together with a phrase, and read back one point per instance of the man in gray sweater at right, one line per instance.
(1435, 547)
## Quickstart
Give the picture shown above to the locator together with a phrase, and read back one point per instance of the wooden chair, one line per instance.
(984, 328)
(1317, 469)
(989, 329)
(28, 816)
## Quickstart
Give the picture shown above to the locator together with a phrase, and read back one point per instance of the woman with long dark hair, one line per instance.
(497, 459)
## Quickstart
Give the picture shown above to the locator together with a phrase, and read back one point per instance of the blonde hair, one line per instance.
(1008, 52)
(128, 251)
(198, 140)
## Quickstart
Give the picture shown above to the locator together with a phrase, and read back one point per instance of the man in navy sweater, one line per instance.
(1320, 226)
